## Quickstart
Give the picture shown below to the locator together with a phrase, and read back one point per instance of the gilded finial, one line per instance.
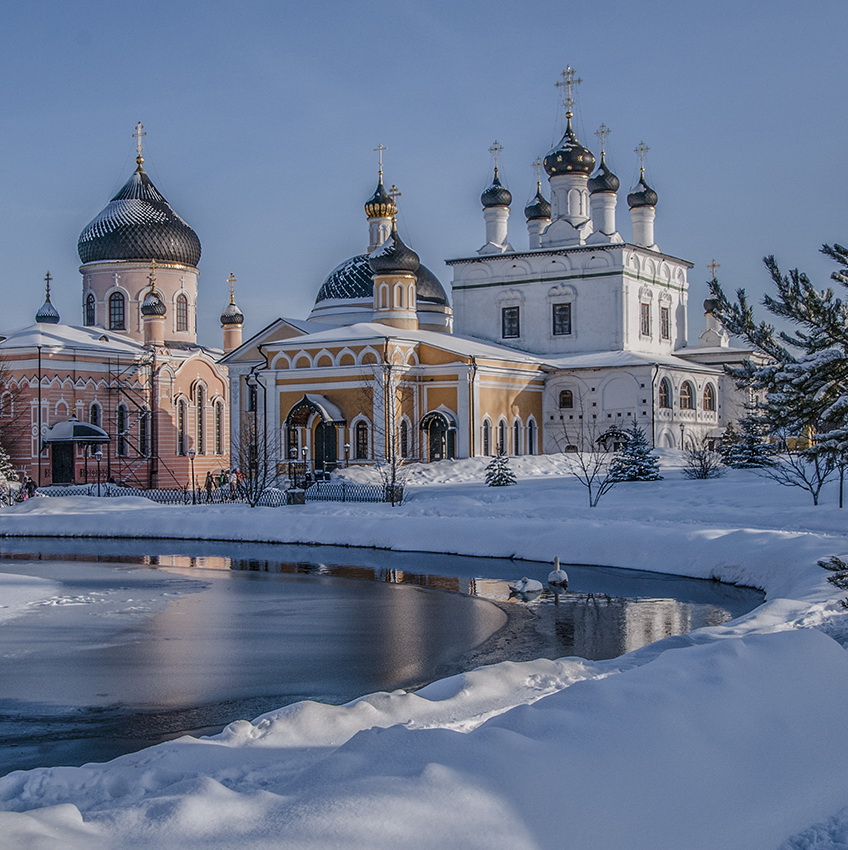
(567, 83)
(231, 279)
(712, 265)
(137, 135)
(602, 132)
(495, 150)
(379, 149)
(641, 149)
(151, 278)
(47, 278)
(394, 194)
(537, 164)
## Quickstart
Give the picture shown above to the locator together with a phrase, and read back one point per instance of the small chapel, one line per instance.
(127, 394)
(554, 345)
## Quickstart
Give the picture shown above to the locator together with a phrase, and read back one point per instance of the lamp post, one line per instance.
(191, 454)
(682, 429)
(303, 455)
(98, 456)
(293, 466)
(347, 454)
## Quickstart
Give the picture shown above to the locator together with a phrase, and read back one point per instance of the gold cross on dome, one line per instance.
(231, 279)
(137, 135)
(537, 164)
(395, 193)
(568, 82)
(379, 149)
(152, 276)
(712, 265)
(602, 132)
(495, 151)
(641, 149)
(47, 278)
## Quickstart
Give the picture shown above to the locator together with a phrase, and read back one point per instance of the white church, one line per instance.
(543, 348)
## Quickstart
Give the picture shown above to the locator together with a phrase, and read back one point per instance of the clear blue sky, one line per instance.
(262, 117)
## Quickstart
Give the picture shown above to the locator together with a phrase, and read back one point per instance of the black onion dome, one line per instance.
(643, 195)
(152, 305)
(394, 256)
(380, 204)
(232, 315)
(538, 208)
(47, 314)
(496, 195)
(710, 305)
(139, 224)
(569, 156)
(604, 180)
(353, 279)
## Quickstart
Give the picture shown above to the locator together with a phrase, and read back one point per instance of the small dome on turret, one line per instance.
(569, 156)
(604, 180)
(153, 305)
(47, 314)
(394, 256)
(643, 195)
(710, 305)
(381, 204)
(539, 207)
(232, 315)
(497, 195)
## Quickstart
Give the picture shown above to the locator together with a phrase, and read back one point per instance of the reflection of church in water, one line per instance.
(544, 347)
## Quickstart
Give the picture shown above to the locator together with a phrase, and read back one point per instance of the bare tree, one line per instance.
(701, 462)
(253, 455)
(587, 459)
(799, 467)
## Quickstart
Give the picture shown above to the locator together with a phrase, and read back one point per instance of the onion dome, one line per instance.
(47, 314)
(643, 195)
(152, 305)
(569, 156)
(394, 256)
(381, 204)
(232, 315)
(604, 180)
(139, 224)
(352, 280)
(710, 305)
(496, 195)
(539, 207)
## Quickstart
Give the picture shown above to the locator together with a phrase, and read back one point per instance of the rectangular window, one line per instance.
(510, 327)
(561, 319)
(645, 319)
(665, 331)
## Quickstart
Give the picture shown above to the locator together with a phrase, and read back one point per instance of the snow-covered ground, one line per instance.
(729, 737)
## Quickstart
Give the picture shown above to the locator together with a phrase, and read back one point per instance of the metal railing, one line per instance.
(335, 491)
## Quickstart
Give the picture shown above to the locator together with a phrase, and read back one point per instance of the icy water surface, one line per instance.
(145, 640)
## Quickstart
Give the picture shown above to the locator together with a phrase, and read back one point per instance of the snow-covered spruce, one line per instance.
(498, 473)
(636, 460)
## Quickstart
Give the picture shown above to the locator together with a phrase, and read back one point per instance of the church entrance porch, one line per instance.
(311, 432)
(441, 436)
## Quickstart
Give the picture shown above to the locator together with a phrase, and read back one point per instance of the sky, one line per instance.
(262, 119)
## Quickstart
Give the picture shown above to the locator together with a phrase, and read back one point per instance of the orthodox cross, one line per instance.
(641, 149)
(537, 164)
(395, 193)
(602, 132)
(231, 279)
(47, 278)
(712, 265)
(380, 148)
(152, 276)
(137, 135)
(495, 151)
(568, 82)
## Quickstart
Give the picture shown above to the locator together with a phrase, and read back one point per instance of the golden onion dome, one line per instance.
(380, 204)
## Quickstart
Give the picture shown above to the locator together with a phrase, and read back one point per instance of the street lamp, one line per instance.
(98, 456)
(347, 454)
(682, 428)
(191, 454)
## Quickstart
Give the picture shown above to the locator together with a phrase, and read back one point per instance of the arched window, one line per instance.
(487, 438)
(531, 437)
(182, 448)
(94, 415)
(219, 428)
(501, 437)
(709, 397)
(516, 437)
(117, 312)
(404, 438)
(144, 433)
(360, 441)
(566, 400)
(665, 393)
(687, 396)
(182, 313)
(89, 309)
(122, 430)
(200, 419)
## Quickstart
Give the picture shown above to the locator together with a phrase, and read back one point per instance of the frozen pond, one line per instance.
(142, 641)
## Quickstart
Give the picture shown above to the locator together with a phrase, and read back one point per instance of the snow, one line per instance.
(728, 737)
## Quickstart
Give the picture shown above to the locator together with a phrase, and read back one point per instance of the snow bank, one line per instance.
(722, 738)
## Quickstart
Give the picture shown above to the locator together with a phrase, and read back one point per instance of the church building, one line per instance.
(545, 348)
(128, 395)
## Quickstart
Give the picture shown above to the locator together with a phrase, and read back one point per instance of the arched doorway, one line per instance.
(441, 435)
(319, 438)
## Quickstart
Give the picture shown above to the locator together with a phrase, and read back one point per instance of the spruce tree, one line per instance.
(6, 469)
(635, 461)
(498, 473)
(727, 442)
(750, 450)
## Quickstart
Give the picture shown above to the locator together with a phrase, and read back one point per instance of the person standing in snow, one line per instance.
(30, 487)
(233, 484)
(208, 485)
